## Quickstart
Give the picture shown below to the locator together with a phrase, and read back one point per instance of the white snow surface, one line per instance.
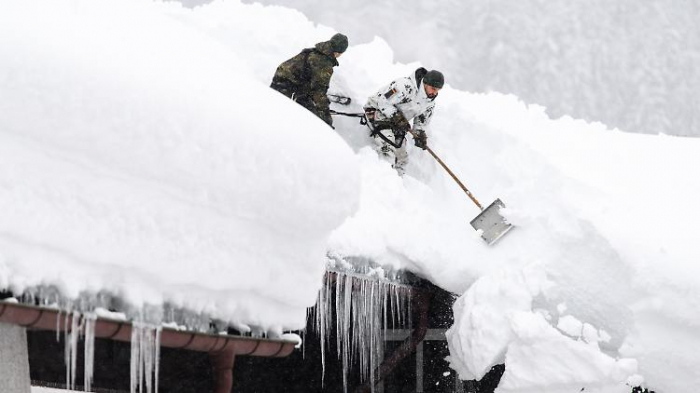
(143, 154)
(138, 156)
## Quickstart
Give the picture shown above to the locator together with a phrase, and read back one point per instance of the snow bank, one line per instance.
(141, 157)
(497, 321)
(483, 316)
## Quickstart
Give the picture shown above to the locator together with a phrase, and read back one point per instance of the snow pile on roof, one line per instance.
(606, 215)
(141, 157)
(601, 221)
(153, 161)
(498, 316)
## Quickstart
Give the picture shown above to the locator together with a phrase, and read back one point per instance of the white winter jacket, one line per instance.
(406, 96)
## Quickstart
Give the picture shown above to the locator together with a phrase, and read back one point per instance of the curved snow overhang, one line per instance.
(35, 317)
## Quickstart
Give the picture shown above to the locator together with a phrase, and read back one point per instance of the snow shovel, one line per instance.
(490, 223)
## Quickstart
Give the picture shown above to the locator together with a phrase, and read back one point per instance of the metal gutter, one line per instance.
(222, 349)
(35, 317)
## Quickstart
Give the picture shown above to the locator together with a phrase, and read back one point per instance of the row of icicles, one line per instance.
(145, 351)
(365, 307)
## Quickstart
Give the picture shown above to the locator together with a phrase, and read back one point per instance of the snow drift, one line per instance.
(137, 157)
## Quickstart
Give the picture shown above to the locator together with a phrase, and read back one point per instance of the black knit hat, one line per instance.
(434, 78)
(339, 43)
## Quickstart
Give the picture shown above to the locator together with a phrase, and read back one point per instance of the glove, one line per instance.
(399, 122)
(420, 139)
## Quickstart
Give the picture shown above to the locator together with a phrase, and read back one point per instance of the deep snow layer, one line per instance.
(116, 169)
(137, 158)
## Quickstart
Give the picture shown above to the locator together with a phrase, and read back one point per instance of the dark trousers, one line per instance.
(291, 91)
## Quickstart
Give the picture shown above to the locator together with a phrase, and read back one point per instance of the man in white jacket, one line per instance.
(389, 111)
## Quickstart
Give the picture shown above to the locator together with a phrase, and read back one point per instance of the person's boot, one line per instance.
(399, 169)
(386, 151)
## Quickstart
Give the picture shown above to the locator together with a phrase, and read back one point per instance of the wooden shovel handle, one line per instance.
(469, 194)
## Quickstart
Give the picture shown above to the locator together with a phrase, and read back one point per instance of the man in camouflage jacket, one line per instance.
(305, 77)
(389, 111)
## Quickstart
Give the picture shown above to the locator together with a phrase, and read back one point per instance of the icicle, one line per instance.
(135, 347)
(338, 312)
(157, 355)
(372, 331)
(58, 325)
(398, 312)
(145, 357)
(347, 303)
(303, 340)
(66, 346)
(147, 350)
(386, 295)
(327, 315)
(89, 356)
(71, 347)
(321, 328)
(362, 307)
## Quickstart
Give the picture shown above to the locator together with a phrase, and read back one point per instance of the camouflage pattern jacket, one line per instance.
(406, 95)
(305, 78)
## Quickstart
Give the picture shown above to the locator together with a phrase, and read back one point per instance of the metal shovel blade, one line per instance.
(491, 223)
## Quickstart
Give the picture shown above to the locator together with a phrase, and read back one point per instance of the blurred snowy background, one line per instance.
(629, 64)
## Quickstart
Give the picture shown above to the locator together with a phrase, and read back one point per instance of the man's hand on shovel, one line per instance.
(419, 138)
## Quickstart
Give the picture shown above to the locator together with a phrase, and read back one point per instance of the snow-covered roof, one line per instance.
(142, 157)
(142, 154)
